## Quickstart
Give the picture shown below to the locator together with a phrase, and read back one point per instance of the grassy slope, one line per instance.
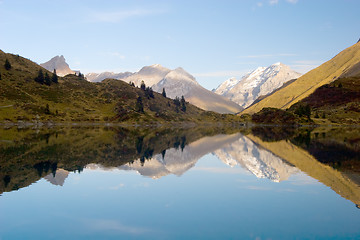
(337, 102)
(309, 82)
(75, 99)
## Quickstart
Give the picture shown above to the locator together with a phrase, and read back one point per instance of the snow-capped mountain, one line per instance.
(259, 161)
(58, 63)
(226, 86)
(98, 77)
(259, 82)
(179, 83)
(151, 75)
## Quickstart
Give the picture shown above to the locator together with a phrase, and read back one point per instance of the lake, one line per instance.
(209, 182)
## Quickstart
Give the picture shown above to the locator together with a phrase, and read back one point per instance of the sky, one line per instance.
(212, 40)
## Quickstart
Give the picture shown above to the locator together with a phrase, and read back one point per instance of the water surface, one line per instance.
(199, 183)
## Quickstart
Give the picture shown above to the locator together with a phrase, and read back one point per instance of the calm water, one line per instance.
(202, 183)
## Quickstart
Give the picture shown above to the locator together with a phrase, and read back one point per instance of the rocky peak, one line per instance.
(58, 63)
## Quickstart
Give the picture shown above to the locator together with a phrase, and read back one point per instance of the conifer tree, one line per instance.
(183, 104)
(54, 77)
(7, 65)
(47, 79)
(163, 92)
(143, 86)
(40, 77)
(139, 105)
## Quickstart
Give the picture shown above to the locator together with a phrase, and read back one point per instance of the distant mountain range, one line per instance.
(344, 64)
(276, 86)
(30, 93)
(98, 77)
(177, 83)
(259, 82)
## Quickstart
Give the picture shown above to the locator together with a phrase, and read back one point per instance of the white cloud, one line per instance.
(304, 66)
(113, 225)
(269, 55)
(118, 16)
(273, 2)
(292, 1)
(117, 187)
(308, 62)
(116, 54)
(259, 4)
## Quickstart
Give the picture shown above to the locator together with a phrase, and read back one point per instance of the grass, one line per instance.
(335, 103)
(76, 100)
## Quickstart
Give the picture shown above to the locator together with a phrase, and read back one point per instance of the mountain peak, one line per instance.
(277, 64)
(156, 65)
(308, 83)
(58, 63)
(261, 81)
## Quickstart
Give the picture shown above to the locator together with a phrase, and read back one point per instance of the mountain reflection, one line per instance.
(330, 156)
(257, 160)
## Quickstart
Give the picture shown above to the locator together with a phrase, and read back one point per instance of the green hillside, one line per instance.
(75, 99)
(337, 102)
(340, 65)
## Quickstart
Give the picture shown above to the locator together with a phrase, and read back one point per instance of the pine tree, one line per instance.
(149, 93)
(54, 77)
(47, 79)
(81, 75)
(143, 86)
(177, 101)
(7, 65)
(139, 105)
(163, 92)
(183, 104)
(40, 77)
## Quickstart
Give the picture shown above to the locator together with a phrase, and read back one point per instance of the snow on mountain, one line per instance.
(151, 75)
(58, 63)
(260, 162)
(226, 86)
(98, 77)
(179, 83)
(261, 81)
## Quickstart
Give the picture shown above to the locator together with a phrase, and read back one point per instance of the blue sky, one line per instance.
(213, 40)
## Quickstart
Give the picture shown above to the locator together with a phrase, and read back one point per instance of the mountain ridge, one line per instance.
(177, 83)
(308, 83)
(59, 64)
(260, 82)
